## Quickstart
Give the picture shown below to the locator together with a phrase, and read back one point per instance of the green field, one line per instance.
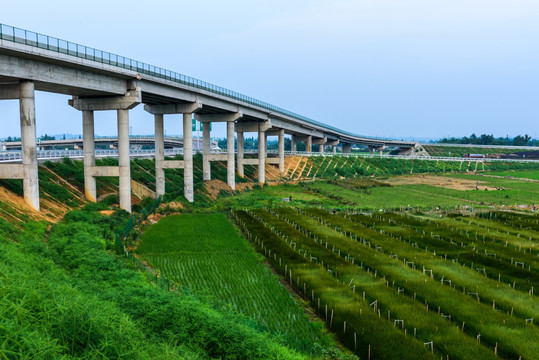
(205, 254)
(458, 151)
(435, 278)
(362, 193)
(532, 175)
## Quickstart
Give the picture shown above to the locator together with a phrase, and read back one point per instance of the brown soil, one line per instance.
(214, 187)
(440, 181)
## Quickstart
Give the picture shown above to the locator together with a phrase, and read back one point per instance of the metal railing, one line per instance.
(42, 155)
(16, 156)
(30, 38)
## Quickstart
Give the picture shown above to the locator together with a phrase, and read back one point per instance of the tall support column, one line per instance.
(206, 148)
(123, 160)
(334, 149)
(239, 157)
(281, 150)
(28, 141)
(309, 144)
(88, 144)
(159, 155)
(321, 148)
(261, 157)
(265, 145)
(188, 157)
(346, 148)
(293, 142)
(230, 166)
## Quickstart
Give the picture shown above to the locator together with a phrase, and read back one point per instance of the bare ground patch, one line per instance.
(439, 181)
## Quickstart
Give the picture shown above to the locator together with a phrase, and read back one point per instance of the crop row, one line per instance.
(401, 242)
(401, 274)
(346, 312)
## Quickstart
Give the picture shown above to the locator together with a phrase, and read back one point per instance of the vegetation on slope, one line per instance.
(70, 298)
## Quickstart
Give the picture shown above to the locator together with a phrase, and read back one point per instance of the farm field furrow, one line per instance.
(346, 313)
(400, 309)
(444, 270)
(493, 325)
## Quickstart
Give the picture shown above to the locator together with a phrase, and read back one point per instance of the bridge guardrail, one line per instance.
(16, 156)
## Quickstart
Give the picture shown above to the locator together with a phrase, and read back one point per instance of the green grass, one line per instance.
(205, 254)
(71, 298)
(534, 175)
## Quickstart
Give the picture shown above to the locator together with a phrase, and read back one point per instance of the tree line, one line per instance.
(484, 139)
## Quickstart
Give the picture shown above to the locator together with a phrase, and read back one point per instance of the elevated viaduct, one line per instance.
(101, 81)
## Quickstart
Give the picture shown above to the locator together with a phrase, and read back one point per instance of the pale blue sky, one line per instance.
(396, 68)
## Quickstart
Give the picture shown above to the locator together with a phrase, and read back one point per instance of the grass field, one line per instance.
(446, 191)
(459, 151)
(533, 175)
(205, 254)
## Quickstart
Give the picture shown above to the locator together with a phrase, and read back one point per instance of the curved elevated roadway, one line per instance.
(100, 81)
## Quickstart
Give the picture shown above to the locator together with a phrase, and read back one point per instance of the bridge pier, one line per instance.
(122, 105)
(333, 144)
(293, 146)
(230, 165)
(230, 120)
(309, 144)
(159, 155)
(188, 178)
(281, 150)
(123, 159)
(28, 171)
(187, 163)
(321, 142)
(28, 139)
(346, 148)
(88, 145)
(239, 156)
(206, 149)
(260, 128)
(261, 157)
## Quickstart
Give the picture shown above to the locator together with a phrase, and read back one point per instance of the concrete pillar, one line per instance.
(293, 142)
(230, 166)
(321, 148)
(123, 160)
(265, 145)
(239, 158)
(309, 144)
(206, 148)
(159, 155)
(188, 157)
(261, 157)
(88, 145)
(281, 150)
(346, 148)
(28, 142)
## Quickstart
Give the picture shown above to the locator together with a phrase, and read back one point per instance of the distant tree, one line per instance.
(521, 140)
(47, 137)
